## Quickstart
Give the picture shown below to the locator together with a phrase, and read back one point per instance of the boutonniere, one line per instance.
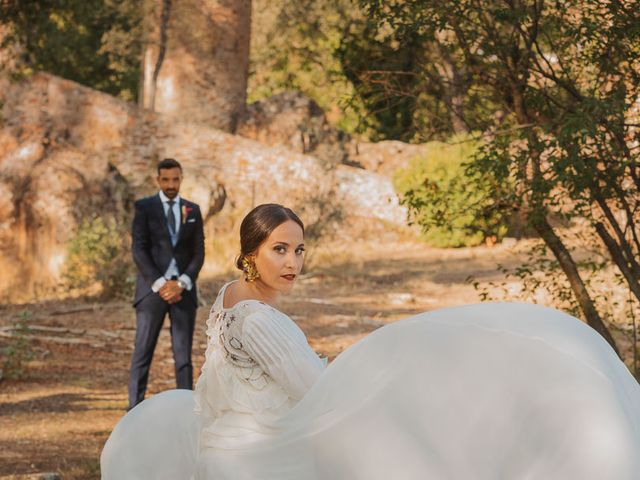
(185, 212)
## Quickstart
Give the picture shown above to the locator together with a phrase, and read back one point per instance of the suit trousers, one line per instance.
(150, 313)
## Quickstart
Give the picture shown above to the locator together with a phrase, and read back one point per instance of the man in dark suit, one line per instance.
(168, 249)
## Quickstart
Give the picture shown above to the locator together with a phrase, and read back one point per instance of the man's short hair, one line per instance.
(168, 163)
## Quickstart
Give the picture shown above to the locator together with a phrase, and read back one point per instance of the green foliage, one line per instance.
(453, 205)
(372, 80)
(293, 47)
(100, 253)
(411, 86)
(387, 108)
(561, 81)
(562, 108)
(538, 277)
(94, 42)
(18, 352)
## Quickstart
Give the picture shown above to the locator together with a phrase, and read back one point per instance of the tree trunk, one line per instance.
(197, 59)
(570, 269)
(149, 87)
(454, 86)
(10, 52)
(539, 222)
(455, 101)
(618, 258)
(623, 244)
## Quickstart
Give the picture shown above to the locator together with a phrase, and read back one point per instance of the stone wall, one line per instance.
(293, 120)
(68, 152)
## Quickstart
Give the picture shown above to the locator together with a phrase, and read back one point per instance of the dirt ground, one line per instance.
(58, 416)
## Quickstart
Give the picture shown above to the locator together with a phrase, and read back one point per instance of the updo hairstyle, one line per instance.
(258, 225)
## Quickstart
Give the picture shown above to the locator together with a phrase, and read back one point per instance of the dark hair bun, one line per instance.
(239, 265)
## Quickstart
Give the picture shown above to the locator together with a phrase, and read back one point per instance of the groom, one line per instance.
(168, 249)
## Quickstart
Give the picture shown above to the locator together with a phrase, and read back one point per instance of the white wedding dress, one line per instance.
(480, 392)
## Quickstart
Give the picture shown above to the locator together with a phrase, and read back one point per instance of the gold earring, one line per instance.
(250, 271)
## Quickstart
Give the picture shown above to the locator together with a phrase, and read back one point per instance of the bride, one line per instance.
(490, 391)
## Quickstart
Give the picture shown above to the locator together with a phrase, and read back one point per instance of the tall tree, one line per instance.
(565, 78)
(196, 60)
(294, 47)
(93, 42)
(414, 86)
(382, 83)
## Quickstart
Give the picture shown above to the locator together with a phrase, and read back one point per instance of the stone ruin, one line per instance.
(68, 152)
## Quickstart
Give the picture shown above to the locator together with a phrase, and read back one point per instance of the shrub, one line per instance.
(99, 253)
(18, 352)
(453, 205)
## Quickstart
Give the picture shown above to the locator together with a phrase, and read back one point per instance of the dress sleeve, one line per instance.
(278, 345)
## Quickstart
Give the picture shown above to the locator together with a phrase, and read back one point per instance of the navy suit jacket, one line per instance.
(152, 249)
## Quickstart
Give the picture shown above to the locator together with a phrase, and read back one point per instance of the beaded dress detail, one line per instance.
(258, 364)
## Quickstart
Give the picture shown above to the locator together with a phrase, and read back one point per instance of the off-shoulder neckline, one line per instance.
(239, 302)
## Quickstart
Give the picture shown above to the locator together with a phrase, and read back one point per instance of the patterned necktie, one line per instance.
(171, 218)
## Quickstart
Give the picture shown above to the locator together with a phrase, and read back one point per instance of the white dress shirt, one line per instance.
(172, 270)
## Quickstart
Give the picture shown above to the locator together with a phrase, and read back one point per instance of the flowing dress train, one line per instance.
(483, 392)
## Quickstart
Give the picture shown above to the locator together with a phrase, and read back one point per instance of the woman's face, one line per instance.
(280, 257)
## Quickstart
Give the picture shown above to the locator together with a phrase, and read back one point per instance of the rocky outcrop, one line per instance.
(293, 120)
(68, 152)
(383, 157)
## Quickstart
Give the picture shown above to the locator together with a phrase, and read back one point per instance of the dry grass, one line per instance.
(57, 418)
